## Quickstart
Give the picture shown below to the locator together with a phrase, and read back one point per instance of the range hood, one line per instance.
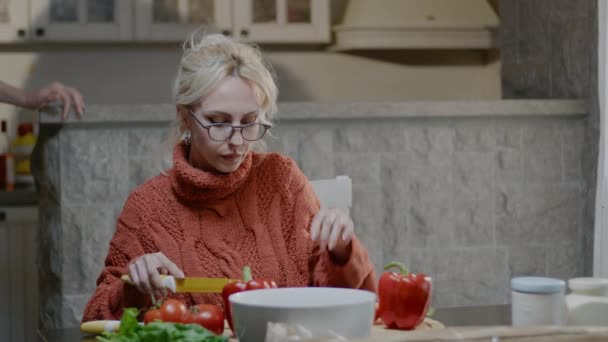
(417, 24)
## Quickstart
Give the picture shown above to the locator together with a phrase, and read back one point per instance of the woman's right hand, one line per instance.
(145, 272)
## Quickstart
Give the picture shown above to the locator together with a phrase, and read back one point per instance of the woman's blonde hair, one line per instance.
(206, 60)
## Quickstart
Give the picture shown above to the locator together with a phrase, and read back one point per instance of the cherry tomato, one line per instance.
(208, 316)
(174, 311)
(153, 315)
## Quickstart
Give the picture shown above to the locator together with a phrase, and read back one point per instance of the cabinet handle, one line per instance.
(40, 32)
(21, 33)
(244, 32)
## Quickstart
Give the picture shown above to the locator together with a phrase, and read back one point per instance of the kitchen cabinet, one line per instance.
(13, 20)
(80, 20)
(260, 21)
(282, 21)
(18, 273)
(173, 20)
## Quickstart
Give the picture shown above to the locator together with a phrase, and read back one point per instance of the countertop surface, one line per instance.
(482, 323)
(18, 197)
(499, 315)
(335, 111)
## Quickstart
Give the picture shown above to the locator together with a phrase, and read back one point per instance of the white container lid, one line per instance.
(587, 285)
(537, 285)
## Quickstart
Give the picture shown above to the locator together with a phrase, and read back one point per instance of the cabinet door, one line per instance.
(282, 21)
(174, 20)
(81, 20)
(19, 282)
(13, 20)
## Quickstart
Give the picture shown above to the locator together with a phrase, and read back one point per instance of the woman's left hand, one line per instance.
(333, 230)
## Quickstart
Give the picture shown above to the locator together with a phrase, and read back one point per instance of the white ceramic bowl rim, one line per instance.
(302, 297)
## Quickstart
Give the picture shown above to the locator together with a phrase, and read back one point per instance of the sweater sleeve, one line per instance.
(112, 295)
(357, 272)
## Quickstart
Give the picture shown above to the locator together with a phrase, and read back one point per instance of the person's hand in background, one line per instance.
(69, 97)
(35, 99)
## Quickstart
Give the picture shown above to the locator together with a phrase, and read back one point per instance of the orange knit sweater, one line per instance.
(211, 225)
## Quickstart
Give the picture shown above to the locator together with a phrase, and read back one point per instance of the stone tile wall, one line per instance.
(548, 47)
(549, 50)
(470, 201)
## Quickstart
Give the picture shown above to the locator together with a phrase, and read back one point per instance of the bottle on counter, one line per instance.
(4, 142)
(7, 161)
(22, 149)
(588, 301)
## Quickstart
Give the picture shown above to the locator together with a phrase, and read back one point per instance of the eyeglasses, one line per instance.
(224, 131)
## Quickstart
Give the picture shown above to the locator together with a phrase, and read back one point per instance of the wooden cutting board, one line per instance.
(434, 333)
(380, 332)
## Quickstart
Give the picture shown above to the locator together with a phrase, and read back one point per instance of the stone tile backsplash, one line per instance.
(549, 49)
(471, 202)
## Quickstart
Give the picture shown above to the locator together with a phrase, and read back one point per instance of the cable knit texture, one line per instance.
(211, 225)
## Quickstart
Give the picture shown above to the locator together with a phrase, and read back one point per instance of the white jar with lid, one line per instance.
(588, 301)
(538, 301)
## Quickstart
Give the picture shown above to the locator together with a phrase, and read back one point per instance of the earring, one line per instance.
(187, 138)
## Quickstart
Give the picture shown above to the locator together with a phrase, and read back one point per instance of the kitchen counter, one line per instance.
(495, 333)
(463, 324)
(351, 110)
(18, 197)
(496, 315)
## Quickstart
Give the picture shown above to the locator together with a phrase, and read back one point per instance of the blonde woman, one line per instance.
(223, 206)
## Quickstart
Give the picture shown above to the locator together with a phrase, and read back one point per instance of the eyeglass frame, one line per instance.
(233, 127)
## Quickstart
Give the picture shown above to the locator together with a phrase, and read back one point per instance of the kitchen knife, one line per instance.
(189, 284)
(97, 327)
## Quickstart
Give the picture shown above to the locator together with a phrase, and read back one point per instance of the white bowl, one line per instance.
(323, 311)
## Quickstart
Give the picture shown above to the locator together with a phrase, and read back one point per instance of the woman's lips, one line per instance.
(231, 157)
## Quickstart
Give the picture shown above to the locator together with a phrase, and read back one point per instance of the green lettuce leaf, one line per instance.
(131, 331)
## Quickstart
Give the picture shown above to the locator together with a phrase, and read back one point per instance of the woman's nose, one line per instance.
(237, 136)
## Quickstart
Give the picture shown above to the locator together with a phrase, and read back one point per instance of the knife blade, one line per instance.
(189, 284)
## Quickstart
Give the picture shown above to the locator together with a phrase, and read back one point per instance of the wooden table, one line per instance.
(481, 315)
(476, 324)
(378, 332)
(497, 333)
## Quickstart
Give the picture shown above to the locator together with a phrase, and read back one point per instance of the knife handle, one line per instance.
(168, 282)
(97, 327)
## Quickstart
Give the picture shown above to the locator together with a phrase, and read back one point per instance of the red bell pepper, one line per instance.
(404, 297)
(243, 285)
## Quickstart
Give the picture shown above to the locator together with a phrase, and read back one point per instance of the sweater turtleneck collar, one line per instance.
(195, 185)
